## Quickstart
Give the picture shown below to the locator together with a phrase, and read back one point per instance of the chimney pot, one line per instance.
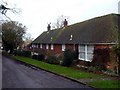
(65, 23)
(48, 27)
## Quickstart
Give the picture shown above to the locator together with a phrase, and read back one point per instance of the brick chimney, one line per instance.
(65, 23)
(48, 27)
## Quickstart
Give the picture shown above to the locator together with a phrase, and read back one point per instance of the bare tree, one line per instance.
(27, 38)
(4, 8)
(60, 22)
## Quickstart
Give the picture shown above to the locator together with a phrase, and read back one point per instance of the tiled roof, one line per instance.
(102, 29)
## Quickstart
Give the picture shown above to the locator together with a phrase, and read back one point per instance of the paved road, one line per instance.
(16, 75)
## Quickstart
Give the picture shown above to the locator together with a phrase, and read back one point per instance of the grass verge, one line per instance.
(105, 84)
(57, 69)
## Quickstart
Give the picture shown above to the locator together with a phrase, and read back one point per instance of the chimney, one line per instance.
(48, 27)
(65, 23)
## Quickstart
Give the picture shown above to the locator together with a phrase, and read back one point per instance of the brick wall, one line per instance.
(57, 49)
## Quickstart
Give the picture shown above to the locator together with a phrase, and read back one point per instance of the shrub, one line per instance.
(52, 60)
(94, 69)
(41, 57)
(69, 57)
(116, 49)
(22, 53)
(101, 58)
(34, 57)
(38, 57)
(26, 53)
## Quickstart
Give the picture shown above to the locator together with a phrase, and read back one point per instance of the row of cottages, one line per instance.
(84, 37)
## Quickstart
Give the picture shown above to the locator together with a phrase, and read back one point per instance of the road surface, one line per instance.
(16, 75)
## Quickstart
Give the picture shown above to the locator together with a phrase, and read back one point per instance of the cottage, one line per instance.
(84, 37)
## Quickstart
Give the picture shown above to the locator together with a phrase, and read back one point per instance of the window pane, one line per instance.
(63, 47)
(40, 45)
(82, 56)
(90, 49)
(47, 46)
(82, 48)
(51, 46)
(89, 56)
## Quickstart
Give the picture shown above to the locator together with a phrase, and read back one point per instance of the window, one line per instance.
(52, 47)
(63, 47)
(47, 46)
(40, 45)
(86, 52)
(37, 46)
(33, 45)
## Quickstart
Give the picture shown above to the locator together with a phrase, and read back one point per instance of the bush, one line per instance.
(101, 58)
(117, 51)
(38, 57)
(26, 53)
(22, 53)
(69, 57)
(52, 60)
(94, 68)
(34, 57)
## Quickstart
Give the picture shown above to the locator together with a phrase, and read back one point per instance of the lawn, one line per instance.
(57, 68)
(105, 84)
(72, 73)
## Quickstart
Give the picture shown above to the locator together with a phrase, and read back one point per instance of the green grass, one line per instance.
(105, 84)
(69, 72)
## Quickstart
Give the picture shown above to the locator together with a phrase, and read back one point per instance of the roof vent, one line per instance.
(71, 37)
(51, 38)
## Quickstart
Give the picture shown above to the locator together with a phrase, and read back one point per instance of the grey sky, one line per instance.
(37, 13)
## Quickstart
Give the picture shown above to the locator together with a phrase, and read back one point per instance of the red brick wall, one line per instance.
(57, 48)
(71, 47)
(101, 46)
(43, 46)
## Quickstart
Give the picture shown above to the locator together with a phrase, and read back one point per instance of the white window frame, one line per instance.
(37, 46)
(32, 45)
(86, 52)
(47, 46)
(63, 47)
(52, 47)
(41, 46)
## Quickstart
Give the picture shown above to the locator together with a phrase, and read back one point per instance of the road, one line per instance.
(16, 75)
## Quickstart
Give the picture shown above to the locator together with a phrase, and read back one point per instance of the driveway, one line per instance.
(16, 75)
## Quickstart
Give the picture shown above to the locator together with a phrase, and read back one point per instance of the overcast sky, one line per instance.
(36, 14)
